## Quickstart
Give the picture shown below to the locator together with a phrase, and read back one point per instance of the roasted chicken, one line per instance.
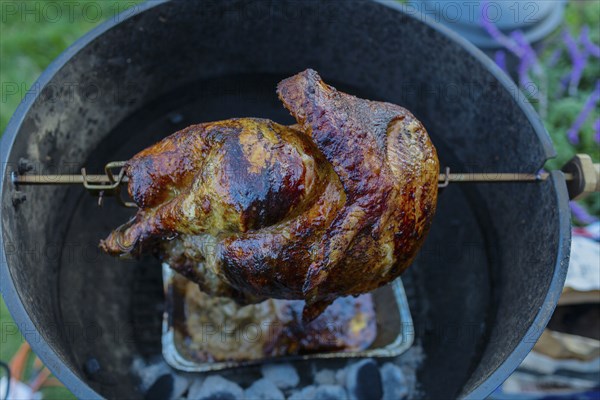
(336, 205)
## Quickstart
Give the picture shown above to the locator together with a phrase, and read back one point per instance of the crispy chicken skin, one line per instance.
(336, 205)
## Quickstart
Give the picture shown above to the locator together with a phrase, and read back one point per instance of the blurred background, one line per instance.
(551, 50)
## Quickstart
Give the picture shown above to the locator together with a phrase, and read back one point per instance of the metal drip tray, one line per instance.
(393, 333)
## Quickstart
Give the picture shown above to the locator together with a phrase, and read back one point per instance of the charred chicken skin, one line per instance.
(336, 205)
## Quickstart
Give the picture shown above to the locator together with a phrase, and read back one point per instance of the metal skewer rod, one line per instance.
(450, 178)
(498, 177)
(108, 184)
(491, 177)
(581, 174)
(62, 179)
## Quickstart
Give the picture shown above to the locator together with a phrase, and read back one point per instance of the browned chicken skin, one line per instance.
(336, 205)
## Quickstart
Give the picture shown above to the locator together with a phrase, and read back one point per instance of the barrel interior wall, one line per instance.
(522, 276)
(451, 319)
(33, 226)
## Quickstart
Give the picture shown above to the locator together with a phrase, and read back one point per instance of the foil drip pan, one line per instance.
(393, 332)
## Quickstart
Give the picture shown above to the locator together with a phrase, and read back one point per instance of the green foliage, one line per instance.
(583, 12)
(564, 108)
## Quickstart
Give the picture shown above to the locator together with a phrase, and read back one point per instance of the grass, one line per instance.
(32, 35)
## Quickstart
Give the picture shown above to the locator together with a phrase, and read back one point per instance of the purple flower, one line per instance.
(579, 60)
(495, 33)
(573, 132)
(517, 44)
(528, 57)
(588, 45)
(555, 57)
(500, 59)
(597, 130)
(581, 214)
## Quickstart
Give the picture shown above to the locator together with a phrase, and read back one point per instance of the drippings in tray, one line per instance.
(217, 329)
